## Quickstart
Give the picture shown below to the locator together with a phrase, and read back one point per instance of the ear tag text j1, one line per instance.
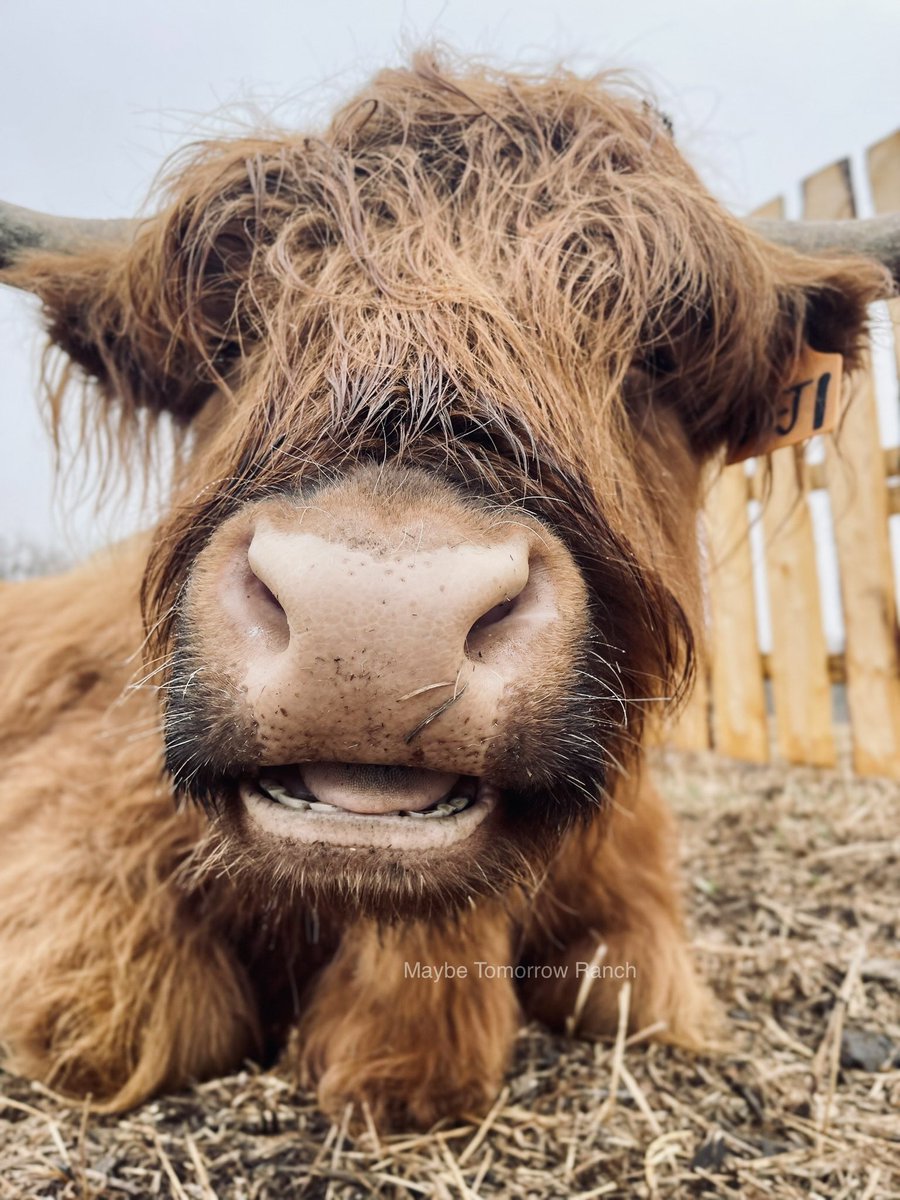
(810, 404)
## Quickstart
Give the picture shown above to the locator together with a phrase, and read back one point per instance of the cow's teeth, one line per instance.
(274, 789)
(294, 802)
(426, 812)
(281, 795)
(446, 808)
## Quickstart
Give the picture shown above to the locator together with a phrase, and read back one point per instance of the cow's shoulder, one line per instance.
(70, 639)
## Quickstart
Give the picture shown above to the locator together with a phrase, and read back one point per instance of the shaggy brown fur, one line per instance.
(514, 283)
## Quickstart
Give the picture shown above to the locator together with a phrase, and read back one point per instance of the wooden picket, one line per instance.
(857, 484)
(801, 687)
(737, 695)
(731, 714)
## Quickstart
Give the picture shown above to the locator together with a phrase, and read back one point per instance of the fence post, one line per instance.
(740, 727)
(858, 487)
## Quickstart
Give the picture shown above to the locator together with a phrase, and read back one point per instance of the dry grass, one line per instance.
(795, 898)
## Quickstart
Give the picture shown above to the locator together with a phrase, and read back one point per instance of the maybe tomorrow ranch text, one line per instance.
(481, 969)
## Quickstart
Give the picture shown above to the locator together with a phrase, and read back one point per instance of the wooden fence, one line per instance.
(733, 710)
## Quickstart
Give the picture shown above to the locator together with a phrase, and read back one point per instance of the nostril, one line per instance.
(267, 597)
(484, 626)
(252, 600)
(267, 610)
(493, 616)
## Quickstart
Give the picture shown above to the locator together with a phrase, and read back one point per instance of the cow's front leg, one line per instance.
(114, 982)
(610, 914)
(406, 1020)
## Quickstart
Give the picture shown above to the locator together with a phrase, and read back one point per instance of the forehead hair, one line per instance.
(500, 242)
(528, 238)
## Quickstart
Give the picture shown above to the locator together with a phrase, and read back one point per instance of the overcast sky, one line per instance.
(94, 93)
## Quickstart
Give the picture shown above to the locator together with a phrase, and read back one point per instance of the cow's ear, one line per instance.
(92, 313)
(151, 322)
(821, 304)
(152, 310)
(726, 368)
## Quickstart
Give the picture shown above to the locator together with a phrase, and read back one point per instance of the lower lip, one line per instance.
(360, 831)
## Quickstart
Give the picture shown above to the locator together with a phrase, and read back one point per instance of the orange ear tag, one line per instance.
(811, 404)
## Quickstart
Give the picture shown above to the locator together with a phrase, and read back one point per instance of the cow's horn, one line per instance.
(876, 237)
(22, 229)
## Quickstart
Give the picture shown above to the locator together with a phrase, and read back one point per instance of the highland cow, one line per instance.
(362, 716)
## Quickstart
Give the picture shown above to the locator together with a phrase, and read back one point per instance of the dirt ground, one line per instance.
(793, 881)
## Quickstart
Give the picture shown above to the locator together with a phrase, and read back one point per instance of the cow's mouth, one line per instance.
(349, 804)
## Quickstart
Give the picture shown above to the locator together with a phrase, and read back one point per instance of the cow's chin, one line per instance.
(427, 847)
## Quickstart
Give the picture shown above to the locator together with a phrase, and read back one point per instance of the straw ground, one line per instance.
(794, 894)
